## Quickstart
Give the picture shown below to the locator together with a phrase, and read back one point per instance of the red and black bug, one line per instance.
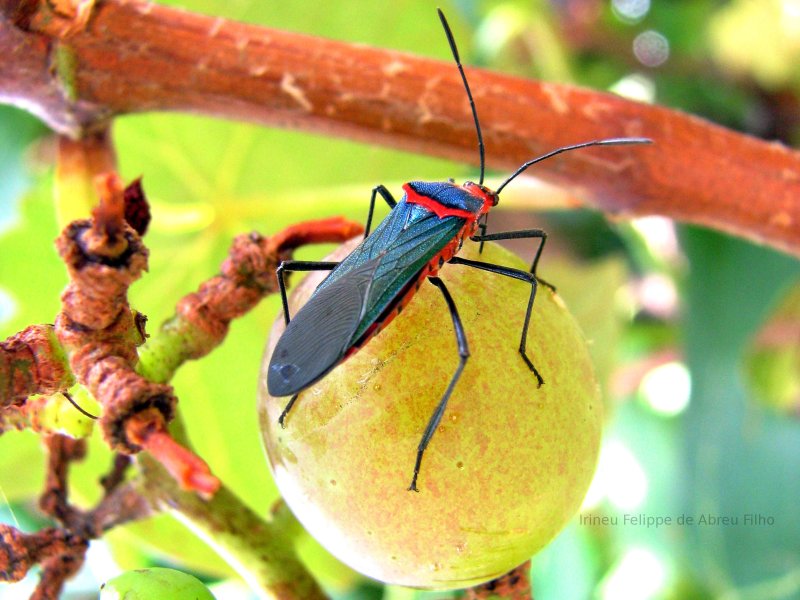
(365, 291)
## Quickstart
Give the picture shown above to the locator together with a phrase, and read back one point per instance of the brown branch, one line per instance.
(20, 551)
(62, 450)
(55, 573)
(100, 333)
(61, 550)
(128, 56)
(56, 570)
(31, 362)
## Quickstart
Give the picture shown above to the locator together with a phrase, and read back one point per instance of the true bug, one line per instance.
(367, 289)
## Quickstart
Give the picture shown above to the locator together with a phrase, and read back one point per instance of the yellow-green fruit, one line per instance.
(155, 584)
(508, 466)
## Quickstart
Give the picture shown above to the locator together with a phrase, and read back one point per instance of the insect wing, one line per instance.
(316, 340)
(356, 294)
(402, 244)
(408, 250)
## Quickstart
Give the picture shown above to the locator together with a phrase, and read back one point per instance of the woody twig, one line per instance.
(60, 550)
(100, 333)
(94, 341)
(78, 69)
(31, 362)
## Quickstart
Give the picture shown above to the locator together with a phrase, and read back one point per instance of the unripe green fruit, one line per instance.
(155, 584)
(508, 466)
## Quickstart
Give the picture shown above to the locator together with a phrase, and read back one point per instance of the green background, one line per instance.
(733, 450)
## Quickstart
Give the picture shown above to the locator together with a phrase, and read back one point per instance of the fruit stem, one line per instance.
(257, 549)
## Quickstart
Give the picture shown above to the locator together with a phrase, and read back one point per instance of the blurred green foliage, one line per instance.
(696, 301)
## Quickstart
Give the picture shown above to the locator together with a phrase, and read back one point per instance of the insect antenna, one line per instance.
(606, 142)
(85, 413)
(454, 50)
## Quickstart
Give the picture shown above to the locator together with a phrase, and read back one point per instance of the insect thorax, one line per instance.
(444, 198)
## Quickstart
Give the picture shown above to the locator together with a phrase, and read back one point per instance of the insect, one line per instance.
(366, 290)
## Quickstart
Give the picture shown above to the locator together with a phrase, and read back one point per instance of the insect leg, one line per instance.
(286, 410)
(516, 274)
(463, 354)
(538, 234)
(386, 195)
(482, 225)
(297, 265)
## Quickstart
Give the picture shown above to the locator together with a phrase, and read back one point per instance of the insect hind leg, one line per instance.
(463, 354)
(297, 265)
(522, 276)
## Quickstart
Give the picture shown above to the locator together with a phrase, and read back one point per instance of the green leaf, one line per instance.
(30, 285)
(571, 552)
(739, 458)
(32, 281)
(590, 290)
(17, 130)
(773, 357)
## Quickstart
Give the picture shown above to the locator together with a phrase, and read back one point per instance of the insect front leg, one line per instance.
(522, 276)
(297, 265)
(463, 354)
(536, 234)
(386, 195)
(483, 224)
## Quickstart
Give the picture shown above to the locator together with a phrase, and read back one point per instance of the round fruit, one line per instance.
(508, 466)
(155, 584)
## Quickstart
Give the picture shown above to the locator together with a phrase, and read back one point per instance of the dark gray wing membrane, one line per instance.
(405, 240)
(318, 336)
(356, 294)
